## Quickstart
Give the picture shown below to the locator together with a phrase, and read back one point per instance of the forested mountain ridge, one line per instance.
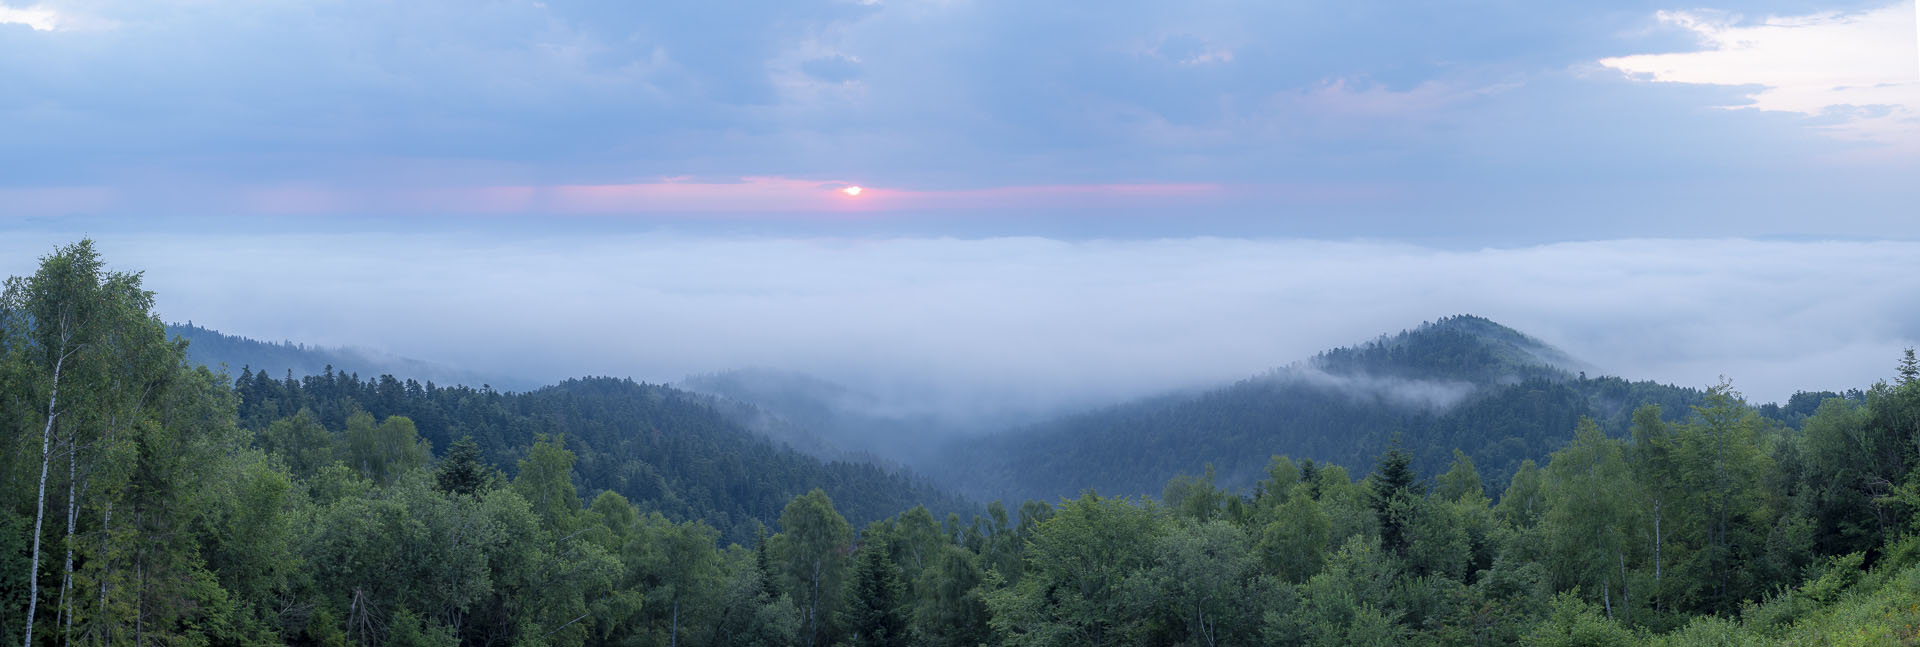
(142, 502)
(213, 349)
(665, 449)
(1460, 348)
(1462, 383)
(671, 451)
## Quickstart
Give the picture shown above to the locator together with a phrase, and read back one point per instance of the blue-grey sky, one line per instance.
(1072, 199)
(1370, 117)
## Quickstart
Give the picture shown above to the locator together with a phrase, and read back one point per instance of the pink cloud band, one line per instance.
(747, 196)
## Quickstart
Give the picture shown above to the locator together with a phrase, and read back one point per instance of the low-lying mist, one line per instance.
(1014, 328)
(1436, 395)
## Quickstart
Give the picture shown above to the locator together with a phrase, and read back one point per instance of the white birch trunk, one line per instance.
(1626, 599)
(40, 507)
(813, 605)
(106, 530)
(66, 578)
(1657, 541)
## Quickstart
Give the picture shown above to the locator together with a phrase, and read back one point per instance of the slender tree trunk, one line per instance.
(40, 507)
(66, 579)
(1206, 628)
(1626, 599)
(140, 601)
(1725, 557)
(673, 639)
(106, 529)
(813, 605)
(1606, 597)
(1722, 557)
(1657, 541)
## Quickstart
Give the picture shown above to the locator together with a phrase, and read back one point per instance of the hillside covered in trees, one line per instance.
(217, 350)
(1461, 383)
(668, 449)
(147, 500)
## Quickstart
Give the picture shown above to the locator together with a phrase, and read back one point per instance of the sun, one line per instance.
(852, 191)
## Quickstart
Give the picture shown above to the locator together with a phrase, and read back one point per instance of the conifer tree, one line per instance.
(1395, 490)
(463, 470)
(873, 616)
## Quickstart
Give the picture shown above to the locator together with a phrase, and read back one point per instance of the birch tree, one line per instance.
(52, 310)
(812, 551)
(85, 342)
(1652, 464)
(1589, 515)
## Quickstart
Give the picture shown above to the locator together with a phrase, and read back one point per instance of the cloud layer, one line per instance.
(1029, 323)
(1494, 115)
(1861, 71)
(1065, 202)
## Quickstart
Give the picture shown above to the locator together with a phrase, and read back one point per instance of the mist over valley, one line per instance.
(982, 323)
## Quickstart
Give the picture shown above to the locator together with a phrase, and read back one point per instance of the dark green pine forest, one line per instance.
(1461, 383)
(284, 358)
(669, 451)
(1457, 484)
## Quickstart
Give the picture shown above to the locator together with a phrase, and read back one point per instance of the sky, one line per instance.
(1059, 201)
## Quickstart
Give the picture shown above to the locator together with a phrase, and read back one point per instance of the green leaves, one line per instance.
(382, 453)
(1393, 492)
(1077, 564)
(1575, 623)
(1293, 545)
(183, 532)
(1461, 480)
(809, 557)
(463, 471)
(545, 480)
(875, 615)
(1590, 513)
(1202, 584)
(301, 441)
(951, 610)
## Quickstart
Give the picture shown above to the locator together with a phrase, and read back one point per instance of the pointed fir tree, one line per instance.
(767, 589)
(462, 471)
(1395, 490)
(874, 617)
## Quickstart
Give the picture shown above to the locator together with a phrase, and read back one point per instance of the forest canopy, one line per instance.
(145, 499)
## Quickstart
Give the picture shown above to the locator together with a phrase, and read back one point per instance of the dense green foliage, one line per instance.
(1462, 383)
(666, 449)
(146, 500)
